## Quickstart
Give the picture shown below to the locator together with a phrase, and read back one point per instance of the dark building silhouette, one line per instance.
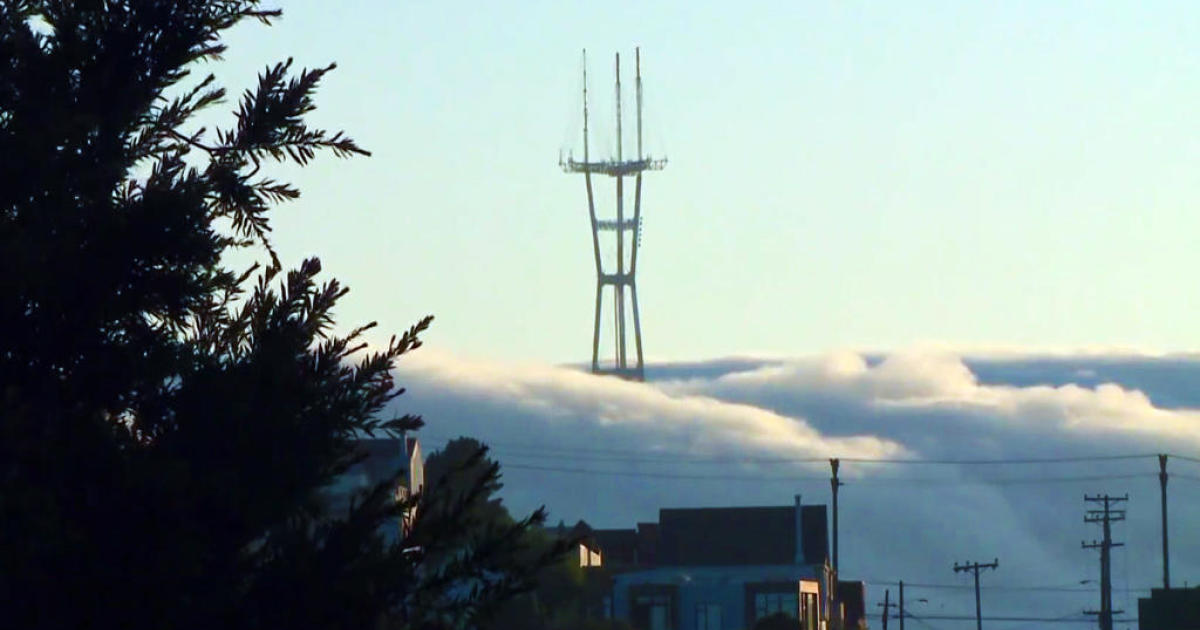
(1170, 609)
(725, 569)
(852, 598)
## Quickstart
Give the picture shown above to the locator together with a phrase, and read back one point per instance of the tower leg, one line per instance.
(620, 291)
(637, 222)
(619, 286)
(637, 331)
(596, 331)
(617, 340)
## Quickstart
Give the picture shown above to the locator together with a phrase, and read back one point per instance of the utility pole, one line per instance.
(1105, 516)
(887, 606)
(1162, 482)
(899, 606)
(974, 567)
(834, 484)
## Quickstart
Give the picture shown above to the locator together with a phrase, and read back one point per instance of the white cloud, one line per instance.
(911, 383)
(557, 399)
(550, 423)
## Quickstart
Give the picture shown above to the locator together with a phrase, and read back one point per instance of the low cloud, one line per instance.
(889, 395)
(744, 431)
(564, 408)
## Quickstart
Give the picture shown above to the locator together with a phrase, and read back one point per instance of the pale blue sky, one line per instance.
(870, 175)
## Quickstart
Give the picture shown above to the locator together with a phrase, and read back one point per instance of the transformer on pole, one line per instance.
(622, 279)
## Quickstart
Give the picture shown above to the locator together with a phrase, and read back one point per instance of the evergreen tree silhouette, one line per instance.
(167, 423)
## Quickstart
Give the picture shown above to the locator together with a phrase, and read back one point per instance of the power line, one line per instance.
(655, 475)
(527, 452)
(1053, 588)
(1064, 618)
(1068, 618)
(670, 458)
(988, 462)
(923, 481)
(651, 459)
(922, 621)
(1015, 619)
(548, 451)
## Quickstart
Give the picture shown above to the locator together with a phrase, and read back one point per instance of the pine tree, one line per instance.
(167, 423)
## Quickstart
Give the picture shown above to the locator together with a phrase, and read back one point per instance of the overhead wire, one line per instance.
(921, 621)
(989, 462)
(673, 458)
(523, 452)
(1063, 619)
(999, 588)
(676, 457)
(924, 481)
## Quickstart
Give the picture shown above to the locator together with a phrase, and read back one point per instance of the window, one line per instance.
(769, 603)
(589, 557)
(652, 612)
(809, 612)
(708, 617)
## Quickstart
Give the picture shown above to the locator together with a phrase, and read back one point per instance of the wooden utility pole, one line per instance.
(974, 567)
(899, 606)
(1105, 516)
(834, 484)
(887, 606)
(1162, 482)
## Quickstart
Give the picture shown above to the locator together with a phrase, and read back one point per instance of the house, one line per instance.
(625, 549)
(1170, 609)
(851, 604)
(720, 568)
(382, 458)
(587, 549)
(413, 482)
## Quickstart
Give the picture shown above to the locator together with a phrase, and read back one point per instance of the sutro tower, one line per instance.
(622, 279)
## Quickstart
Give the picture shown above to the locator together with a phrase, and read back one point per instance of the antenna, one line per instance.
(622, 280)
(637, 59)
(585, 108)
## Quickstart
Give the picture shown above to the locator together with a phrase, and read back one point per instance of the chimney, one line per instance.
(799, 558)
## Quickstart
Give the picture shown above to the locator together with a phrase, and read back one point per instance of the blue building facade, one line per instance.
(722, 568)
(719, 598)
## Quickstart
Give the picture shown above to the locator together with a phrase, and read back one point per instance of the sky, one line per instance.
(916, 231)
(841, 174)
